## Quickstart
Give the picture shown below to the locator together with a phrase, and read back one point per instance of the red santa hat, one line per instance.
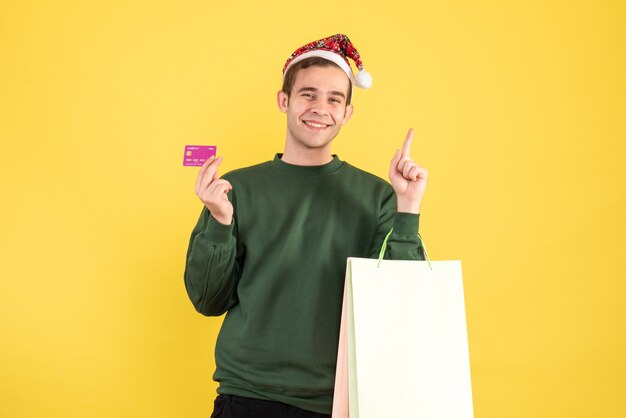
(338, 49)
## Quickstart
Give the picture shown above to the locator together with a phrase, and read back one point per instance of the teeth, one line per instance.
(315, 125)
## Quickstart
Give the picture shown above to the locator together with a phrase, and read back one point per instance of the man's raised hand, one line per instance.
(212, 191)
(407, 178)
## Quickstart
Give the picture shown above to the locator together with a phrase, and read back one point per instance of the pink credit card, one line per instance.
(196, 155)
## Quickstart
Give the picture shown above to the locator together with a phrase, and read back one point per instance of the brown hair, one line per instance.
(290, 76)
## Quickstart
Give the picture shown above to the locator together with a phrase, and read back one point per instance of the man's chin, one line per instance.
(317, 144)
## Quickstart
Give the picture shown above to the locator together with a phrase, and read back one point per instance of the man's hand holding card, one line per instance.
(213, 191)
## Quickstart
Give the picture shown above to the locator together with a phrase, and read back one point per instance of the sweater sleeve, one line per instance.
(403, 243)
(213, 267)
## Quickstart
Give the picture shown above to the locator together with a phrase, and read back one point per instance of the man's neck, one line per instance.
(307, 157)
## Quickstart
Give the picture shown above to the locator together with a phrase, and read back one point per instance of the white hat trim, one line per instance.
(331, 56)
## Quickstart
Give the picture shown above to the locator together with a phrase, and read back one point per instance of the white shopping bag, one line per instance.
(403, 349)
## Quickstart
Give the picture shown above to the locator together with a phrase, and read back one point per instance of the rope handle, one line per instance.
(384, 247)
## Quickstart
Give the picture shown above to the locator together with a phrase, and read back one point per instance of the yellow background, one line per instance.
(519, 110)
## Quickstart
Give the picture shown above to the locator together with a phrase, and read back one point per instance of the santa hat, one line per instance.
(338, 49)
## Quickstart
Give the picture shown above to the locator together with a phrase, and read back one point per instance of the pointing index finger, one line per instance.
(406, 147)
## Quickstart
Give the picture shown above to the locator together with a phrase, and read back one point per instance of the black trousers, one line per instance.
(229, 406)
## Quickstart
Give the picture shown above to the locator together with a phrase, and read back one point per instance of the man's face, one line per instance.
(316, 109)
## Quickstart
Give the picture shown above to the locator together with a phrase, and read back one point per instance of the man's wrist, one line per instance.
(408, 206)
(222, 219)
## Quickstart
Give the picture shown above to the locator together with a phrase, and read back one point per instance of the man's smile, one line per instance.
(315, 124)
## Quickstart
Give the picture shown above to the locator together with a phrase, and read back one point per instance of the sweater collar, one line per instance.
(306, 170)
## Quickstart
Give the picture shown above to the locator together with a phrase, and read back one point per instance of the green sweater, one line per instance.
(278, 271)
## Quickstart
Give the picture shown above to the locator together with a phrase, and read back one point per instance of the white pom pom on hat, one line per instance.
(336, 48)
(363, 79)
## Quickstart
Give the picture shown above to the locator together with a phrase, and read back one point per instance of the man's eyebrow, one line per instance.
(313, 89)
(307, 89)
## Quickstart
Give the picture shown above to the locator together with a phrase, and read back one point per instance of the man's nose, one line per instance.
(320, 107)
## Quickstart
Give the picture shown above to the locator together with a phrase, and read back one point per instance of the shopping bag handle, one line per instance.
(384, 247)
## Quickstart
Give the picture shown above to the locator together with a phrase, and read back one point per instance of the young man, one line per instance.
(271, 244)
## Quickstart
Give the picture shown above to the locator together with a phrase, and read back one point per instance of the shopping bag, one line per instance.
(403, 348)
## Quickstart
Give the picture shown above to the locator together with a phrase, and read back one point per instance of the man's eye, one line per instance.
(307, 95)
(335, 100)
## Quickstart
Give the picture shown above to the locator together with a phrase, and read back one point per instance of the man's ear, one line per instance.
(283, 100)
(348, 114)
